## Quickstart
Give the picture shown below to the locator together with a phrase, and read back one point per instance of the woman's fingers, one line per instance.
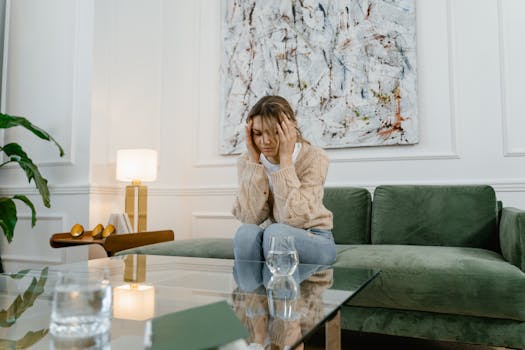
(288, 129)
(248, 128)
(284, 126)
(287, 125)
(248, 132)
(280, 132)
(287, 136)
(250, 145)
(286, 139)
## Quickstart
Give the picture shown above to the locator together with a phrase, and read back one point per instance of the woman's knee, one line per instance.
(245, 241)
(327, 256)
(277, 229)
(324, 254)
(247, 232)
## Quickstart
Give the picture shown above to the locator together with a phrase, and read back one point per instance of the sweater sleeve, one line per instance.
(251, 203)
(298, 200)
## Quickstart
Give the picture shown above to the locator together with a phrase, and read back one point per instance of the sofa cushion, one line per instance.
(217, 248)
(214, 248)
(511, 236)
(352, 208)
(454, 216)
(465, 281)
(498, 334)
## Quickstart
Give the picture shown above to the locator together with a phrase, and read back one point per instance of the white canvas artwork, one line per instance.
(348, 68)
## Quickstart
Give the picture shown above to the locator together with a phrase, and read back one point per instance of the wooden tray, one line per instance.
(113, 243)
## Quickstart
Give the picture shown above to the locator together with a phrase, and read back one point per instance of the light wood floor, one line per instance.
(362, 341)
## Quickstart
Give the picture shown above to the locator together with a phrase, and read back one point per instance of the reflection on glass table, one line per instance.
(18, 293)
(135, 299)
(283, 294)
(290, 310)
(280, 312)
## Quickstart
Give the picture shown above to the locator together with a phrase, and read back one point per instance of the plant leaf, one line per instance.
(24, 301)
(7, 344)
(30, 338)
(8, 121)
(8, 217)
(30, 205)
(20, 274)
(17, 154)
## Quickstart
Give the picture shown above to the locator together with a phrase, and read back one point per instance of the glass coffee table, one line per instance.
(276, 311)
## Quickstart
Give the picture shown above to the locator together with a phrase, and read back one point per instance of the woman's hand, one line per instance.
(287, 139)
(253, 152)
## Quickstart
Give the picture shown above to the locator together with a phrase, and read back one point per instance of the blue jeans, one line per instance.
(251, 275)
(252, 242)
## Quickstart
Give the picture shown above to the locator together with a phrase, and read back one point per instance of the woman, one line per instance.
(281, 182)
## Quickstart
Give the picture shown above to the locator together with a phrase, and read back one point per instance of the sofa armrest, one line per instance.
(512, 236)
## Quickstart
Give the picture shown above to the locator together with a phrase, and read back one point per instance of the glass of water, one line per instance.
(81, 311)
(282, 258)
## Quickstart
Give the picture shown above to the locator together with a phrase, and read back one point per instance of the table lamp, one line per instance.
(137, 165)
(134, 300)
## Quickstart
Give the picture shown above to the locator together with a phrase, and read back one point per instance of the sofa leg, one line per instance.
(333, 332)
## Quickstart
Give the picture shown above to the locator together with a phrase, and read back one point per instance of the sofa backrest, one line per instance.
(352, 209)
(458, 216)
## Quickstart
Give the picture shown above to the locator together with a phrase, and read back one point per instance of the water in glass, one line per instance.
(282, 258)
(283, 292)
(81, 311)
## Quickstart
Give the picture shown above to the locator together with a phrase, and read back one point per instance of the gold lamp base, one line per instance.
(137, 205)
(135, 268)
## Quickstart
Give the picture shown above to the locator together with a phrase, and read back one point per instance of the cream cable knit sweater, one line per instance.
(297, 198)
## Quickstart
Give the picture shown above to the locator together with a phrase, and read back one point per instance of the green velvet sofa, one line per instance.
(452, 261)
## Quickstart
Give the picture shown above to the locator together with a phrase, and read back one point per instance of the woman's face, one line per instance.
(266, 138)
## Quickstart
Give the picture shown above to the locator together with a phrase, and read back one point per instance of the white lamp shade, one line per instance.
(134, 302)
(136, 164)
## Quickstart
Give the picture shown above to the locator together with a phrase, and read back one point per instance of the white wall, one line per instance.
(48, 81)
(155, 83)
(470, 103)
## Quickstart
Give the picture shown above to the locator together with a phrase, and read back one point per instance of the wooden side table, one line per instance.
(113, 243)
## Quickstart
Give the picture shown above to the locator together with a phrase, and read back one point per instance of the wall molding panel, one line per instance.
(511, 108)
(512, 185)
(65, 190)
(69, 157)
(517, 185)
(452, 80)
(207, 224)
(212, 215)
(53, 190)
(197, 93)
(200, 191)
(14, 256)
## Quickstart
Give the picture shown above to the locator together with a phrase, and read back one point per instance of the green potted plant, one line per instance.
(14, 153)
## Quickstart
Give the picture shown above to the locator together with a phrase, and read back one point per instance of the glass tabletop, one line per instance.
(274, 309)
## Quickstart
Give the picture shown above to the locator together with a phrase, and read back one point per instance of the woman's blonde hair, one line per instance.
(271, 109)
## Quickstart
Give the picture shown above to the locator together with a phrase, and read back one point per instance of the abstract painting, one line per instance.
(348, 68)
